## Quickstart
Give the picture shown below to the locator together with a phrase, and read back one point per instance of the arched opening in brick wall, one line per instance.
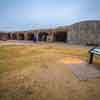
(60, 36)
(42, 36)
(9, 36)
(14, 36)
(30, 36)
(21, 36)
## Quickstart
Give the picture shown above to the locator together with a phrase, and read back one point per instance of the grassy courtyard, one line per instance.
(34, 72)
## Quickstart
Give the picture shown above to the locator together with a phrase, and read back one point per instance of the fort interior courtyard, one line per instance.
(40, 71)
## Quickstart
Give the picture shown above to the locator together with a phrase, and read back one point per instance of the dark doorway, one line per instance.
(60, 36)
(9, 36)
(42, 36)
(30, 36)
(21, 36)
(14, 36)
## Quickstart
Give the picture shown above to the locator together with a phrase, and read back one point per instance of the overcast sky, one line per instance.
(28, 14)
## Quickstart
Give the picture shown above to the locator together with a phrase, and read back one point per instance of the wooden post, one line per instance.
(91, 58)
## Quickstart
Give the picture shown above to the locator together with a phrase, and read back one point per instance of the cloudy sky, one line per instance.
(28, 14)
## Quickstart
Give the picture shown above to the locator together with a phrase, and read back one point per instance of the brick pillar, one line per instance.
(50, 37)
(18, 38)
(26, 36)
(36, 34)
(11, 38)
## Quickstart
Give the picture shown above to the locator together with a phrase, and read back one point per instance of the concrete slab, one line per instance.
(81, 69)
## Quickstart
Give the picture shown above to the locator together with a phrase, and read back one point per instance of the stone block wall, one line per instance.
(87, 33)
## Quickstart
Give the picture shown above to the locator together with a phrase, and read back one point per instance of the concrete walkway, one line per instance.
(81, 69)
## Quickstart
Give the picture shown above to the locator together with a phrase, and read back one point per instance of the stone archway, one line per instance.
(30, 36)
(60, 36)
(9, 36)
(14, 36)
(42, 36)
(21, 36)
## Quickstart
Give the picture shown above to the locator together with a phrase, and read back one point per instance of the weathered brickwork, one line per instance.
(86, 32)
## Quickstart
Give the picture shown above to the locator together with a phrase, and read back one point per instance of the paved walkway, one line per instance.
(81, 69)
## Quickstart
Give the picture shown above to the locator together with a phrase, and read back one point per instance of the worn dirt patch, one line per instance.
(71, 60)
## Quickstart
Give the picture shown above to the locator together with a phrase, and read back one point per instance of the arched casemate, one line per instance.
(42, 36)
(60, 36)
(30, 36)
(14, 36)
(21, 36)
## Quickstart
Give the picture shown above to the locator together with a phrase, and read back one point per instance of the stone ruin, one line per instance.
(85, 32)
